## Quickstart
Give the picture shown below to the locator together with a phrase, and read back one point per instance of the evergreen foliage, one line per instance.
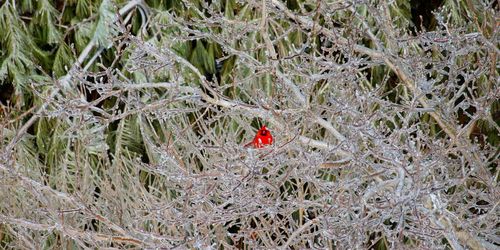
(122, 124)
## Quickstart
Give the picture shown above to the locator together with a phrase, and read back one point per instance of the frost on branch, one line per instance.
(385, 133)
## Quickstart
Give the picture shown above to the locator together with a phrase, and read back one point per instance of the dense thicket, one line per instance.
(122, 124)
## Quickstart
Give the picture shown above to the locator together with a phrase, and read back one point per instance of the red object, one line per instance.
(262, 138)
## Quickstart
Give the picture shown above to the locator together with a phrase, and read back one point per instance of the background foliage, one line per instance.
(122, 124)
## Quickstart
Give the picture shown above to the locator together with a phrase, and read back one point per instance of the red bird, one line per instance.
(263, 137)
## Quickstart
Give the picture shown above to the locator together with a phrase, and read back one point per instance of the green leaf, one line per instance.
(83, 35)
(229, 9)
(210, 59)
(199, 56)
(83, 8)
(43, 23)
(63, 60)
(27, 6)
(106, 28)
